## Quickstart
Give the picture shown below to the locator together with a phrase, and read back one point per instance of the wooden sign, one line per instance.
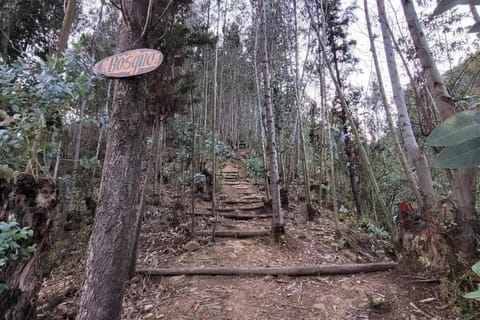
(129, 63)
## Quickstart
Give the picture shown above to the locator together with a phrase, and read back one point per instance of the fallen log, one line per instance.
(317, 270)
(235, 234)
(237, 216)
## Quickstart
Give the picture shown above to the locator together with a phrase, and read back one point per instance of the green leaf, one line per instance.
(473, 295)
(31, 249)
(457, 129)
(476, 268)
(464, 155)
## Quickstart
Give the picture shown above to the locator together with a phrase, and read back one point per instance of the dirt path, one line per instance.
(381, 295)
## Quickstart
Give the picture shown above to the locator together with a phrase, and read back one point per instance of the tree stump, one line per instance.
(35, 204)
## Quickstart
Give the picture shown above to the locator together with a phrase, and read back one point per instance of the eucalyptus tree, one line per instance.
(337, 21)
(214, 118)
(464, 182)
(278, 224)
(346, 112)
(111, 241)
(298, 102)
(398, 148)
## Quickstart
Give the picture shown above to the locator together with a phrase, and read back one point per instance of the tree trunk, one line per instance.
(278, 224)
(111, 241)
(66, 26)
(464, 182)
(298, 100)
(214, 116)
(262, 114)
(140, 212)
(428, 186)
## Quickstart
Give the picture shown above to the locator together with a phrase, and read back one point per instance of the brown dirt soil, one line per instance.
(165, 243)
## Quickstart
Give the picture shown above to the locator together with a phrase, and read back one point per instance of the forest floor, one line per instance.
(166, 243)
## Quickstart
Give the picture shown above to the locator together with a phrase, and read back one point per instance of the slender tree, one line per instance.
(398, 148)
(415, 154)
(214, 116)
(278, 224)
(298, 100)
(349, 117)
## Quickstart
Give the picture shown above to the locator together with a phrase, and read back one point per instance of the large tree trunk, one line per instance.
(278, 225)
(111, 242)
(461, 235)
(35, 204)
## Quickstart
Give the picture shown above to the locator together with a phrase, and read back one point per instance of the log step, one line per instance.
(236, 216)
(316, 270)
(242, 201)
(244, 208)
(235, 234)
(230, 172)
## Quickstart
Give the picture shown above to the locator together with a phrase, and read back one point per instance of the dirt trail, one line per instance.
(381, 295)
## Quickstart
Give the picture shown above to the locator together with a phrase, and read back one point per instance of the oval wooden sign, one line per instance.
(129, 63)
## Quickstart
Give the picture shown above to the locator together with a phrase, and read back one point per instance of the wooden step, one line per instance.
(242, 208)
(236, 215)
(237, 234)
(236, 183)
(242, 201)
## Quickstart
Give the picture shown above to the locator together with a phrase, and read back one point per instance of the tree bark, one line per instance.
(278, 224)
(464, 182)
(287, 271)
(111, 241)
(66, 26)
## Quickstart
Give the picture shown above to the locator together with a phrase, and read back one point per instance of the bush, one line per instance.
(254, 168)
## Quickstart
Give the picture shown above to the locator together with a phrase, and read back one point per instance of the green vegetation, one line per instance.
(254, 168)
(12, 247)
